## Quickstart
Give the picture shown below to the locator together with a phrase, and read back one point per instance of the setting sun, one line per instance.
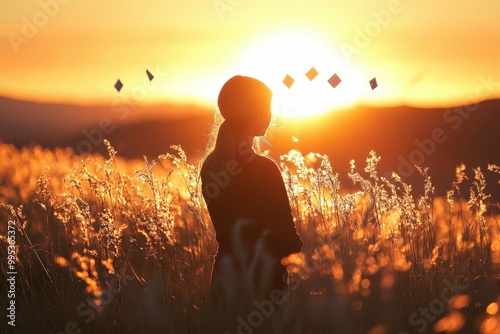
(294, 53)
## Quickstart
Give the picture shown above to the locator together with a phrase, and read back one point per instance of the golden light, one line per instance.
(492, 309)
(452, 323)
(489, 325)
(295, 52)
(460, 301)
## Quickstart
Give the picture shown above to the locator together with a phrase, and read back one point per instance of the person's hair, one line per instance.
(241, 101)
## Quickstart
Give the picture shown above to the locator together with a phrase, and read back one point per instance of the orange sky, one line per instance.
(422, 52)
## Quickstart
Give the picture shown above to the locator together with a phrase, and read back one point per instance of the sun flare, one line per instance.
(294, 53)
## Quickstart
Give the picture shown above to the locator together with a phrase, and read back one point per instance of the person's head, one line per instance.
(245, 104)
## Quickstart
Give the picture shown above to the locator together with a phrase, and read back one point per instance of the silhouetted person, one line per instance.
(247, 202)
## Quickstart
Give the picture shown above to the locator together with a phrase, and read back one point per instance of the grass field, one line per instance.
(107, 245)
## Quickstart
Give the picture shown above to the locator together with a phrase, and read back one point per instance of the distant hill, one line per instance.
(50, 124)
(154, 137)
(438, 138)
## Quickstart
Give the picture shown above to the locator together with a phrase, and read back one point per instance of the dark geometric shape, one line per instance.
(373, 83)
(334, 80)
(150, 76)
(118, 85)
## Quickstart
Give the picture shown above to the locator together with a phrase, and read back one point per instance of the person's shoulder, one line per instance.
(264, 159)
(266, 162)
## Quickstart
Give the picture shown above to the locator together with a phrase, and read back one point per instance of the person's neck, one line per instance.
(244, 143)
(243, 138)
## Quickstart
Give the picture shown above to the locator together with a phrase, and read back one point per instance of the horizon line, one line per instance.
(206, 104)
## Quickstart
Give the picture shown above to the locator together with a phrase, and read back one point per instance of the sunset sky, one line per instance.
(422, 52)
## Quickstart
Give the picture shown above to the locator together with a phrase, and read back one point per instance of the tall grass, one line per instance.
(124, 246)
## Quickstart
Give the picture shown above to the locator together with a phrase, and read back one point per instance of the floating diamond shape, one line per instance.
(311, 74)
(334, 80)
(150, 76)
(118, 85)
(288, 81)
(373, 83)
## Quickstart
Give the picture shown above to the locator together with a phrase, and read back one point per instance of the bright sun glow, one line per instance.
(294, 52)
